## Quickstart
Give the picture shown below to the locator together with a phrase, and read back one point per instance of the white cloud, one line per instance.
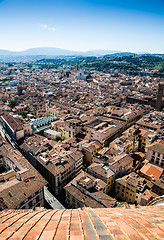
(45, 26)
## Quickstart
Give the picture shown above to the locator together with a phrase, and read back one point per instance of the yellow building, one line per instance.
(21, 108)
(145, 138)
(130, 187)
(128, 142)
(89, 150)
(103, 172)
(86, 190)
(52, 112)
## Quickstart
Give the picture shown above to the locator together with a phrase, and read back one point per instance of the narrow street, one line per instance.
(51, 200)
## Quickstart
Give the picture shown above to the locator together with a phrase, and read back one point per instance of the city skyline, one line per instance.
(82, 26)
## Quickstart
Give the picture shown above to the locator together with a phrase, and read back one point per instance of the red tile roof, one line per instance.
(150, 169)
(76, 224)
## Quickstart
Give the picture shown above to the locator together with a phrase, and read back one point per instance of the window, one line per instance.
(30, 204)
(78, 204)
(29, 198)
(37, 199)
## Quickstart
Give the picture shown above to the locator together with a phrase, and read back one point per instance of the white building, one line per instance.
(51, 134)
(80, 75)
(155, 154)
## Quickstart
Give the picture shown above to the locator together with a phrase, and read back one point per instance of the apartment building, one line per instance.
(155, 154)
(145, 138)
(105, 172)
(129, 187)
(89, 149)
(52, 112)
(87, 191)
(123, 164)
(13, 126)
(68, 128)
(21, 186)
(59, 168)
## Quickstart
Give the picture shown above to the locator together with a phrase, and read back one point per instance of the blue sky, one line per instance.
(83, 25)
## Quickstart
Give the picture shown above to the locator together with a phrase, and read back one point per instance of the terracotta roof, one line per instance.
(142, 155)
(87, 223)
(122, 160)
(92, 146)
(14, 192)
(103, 171)
(15, 123)
(150, 169)
(84, 179)
(55, 166)
(148, 194)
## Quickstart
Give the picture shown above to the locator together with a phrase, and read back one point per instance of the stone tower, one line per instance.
(159, 103)
(77, 67)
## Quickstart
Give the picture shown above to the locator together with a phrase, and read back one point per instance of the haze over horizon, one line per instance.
(48, 50)
(127, 26)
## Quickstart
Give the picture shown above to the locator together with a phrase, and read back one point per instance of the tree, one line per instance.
(12, 103)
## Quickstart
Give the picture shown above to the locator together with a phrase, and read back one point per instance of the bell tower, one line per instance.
(159, 103)
(77, 67)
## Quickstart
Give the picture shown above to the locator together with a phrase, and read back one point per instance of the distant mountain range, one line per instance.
(51, 51)
(34, 54)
